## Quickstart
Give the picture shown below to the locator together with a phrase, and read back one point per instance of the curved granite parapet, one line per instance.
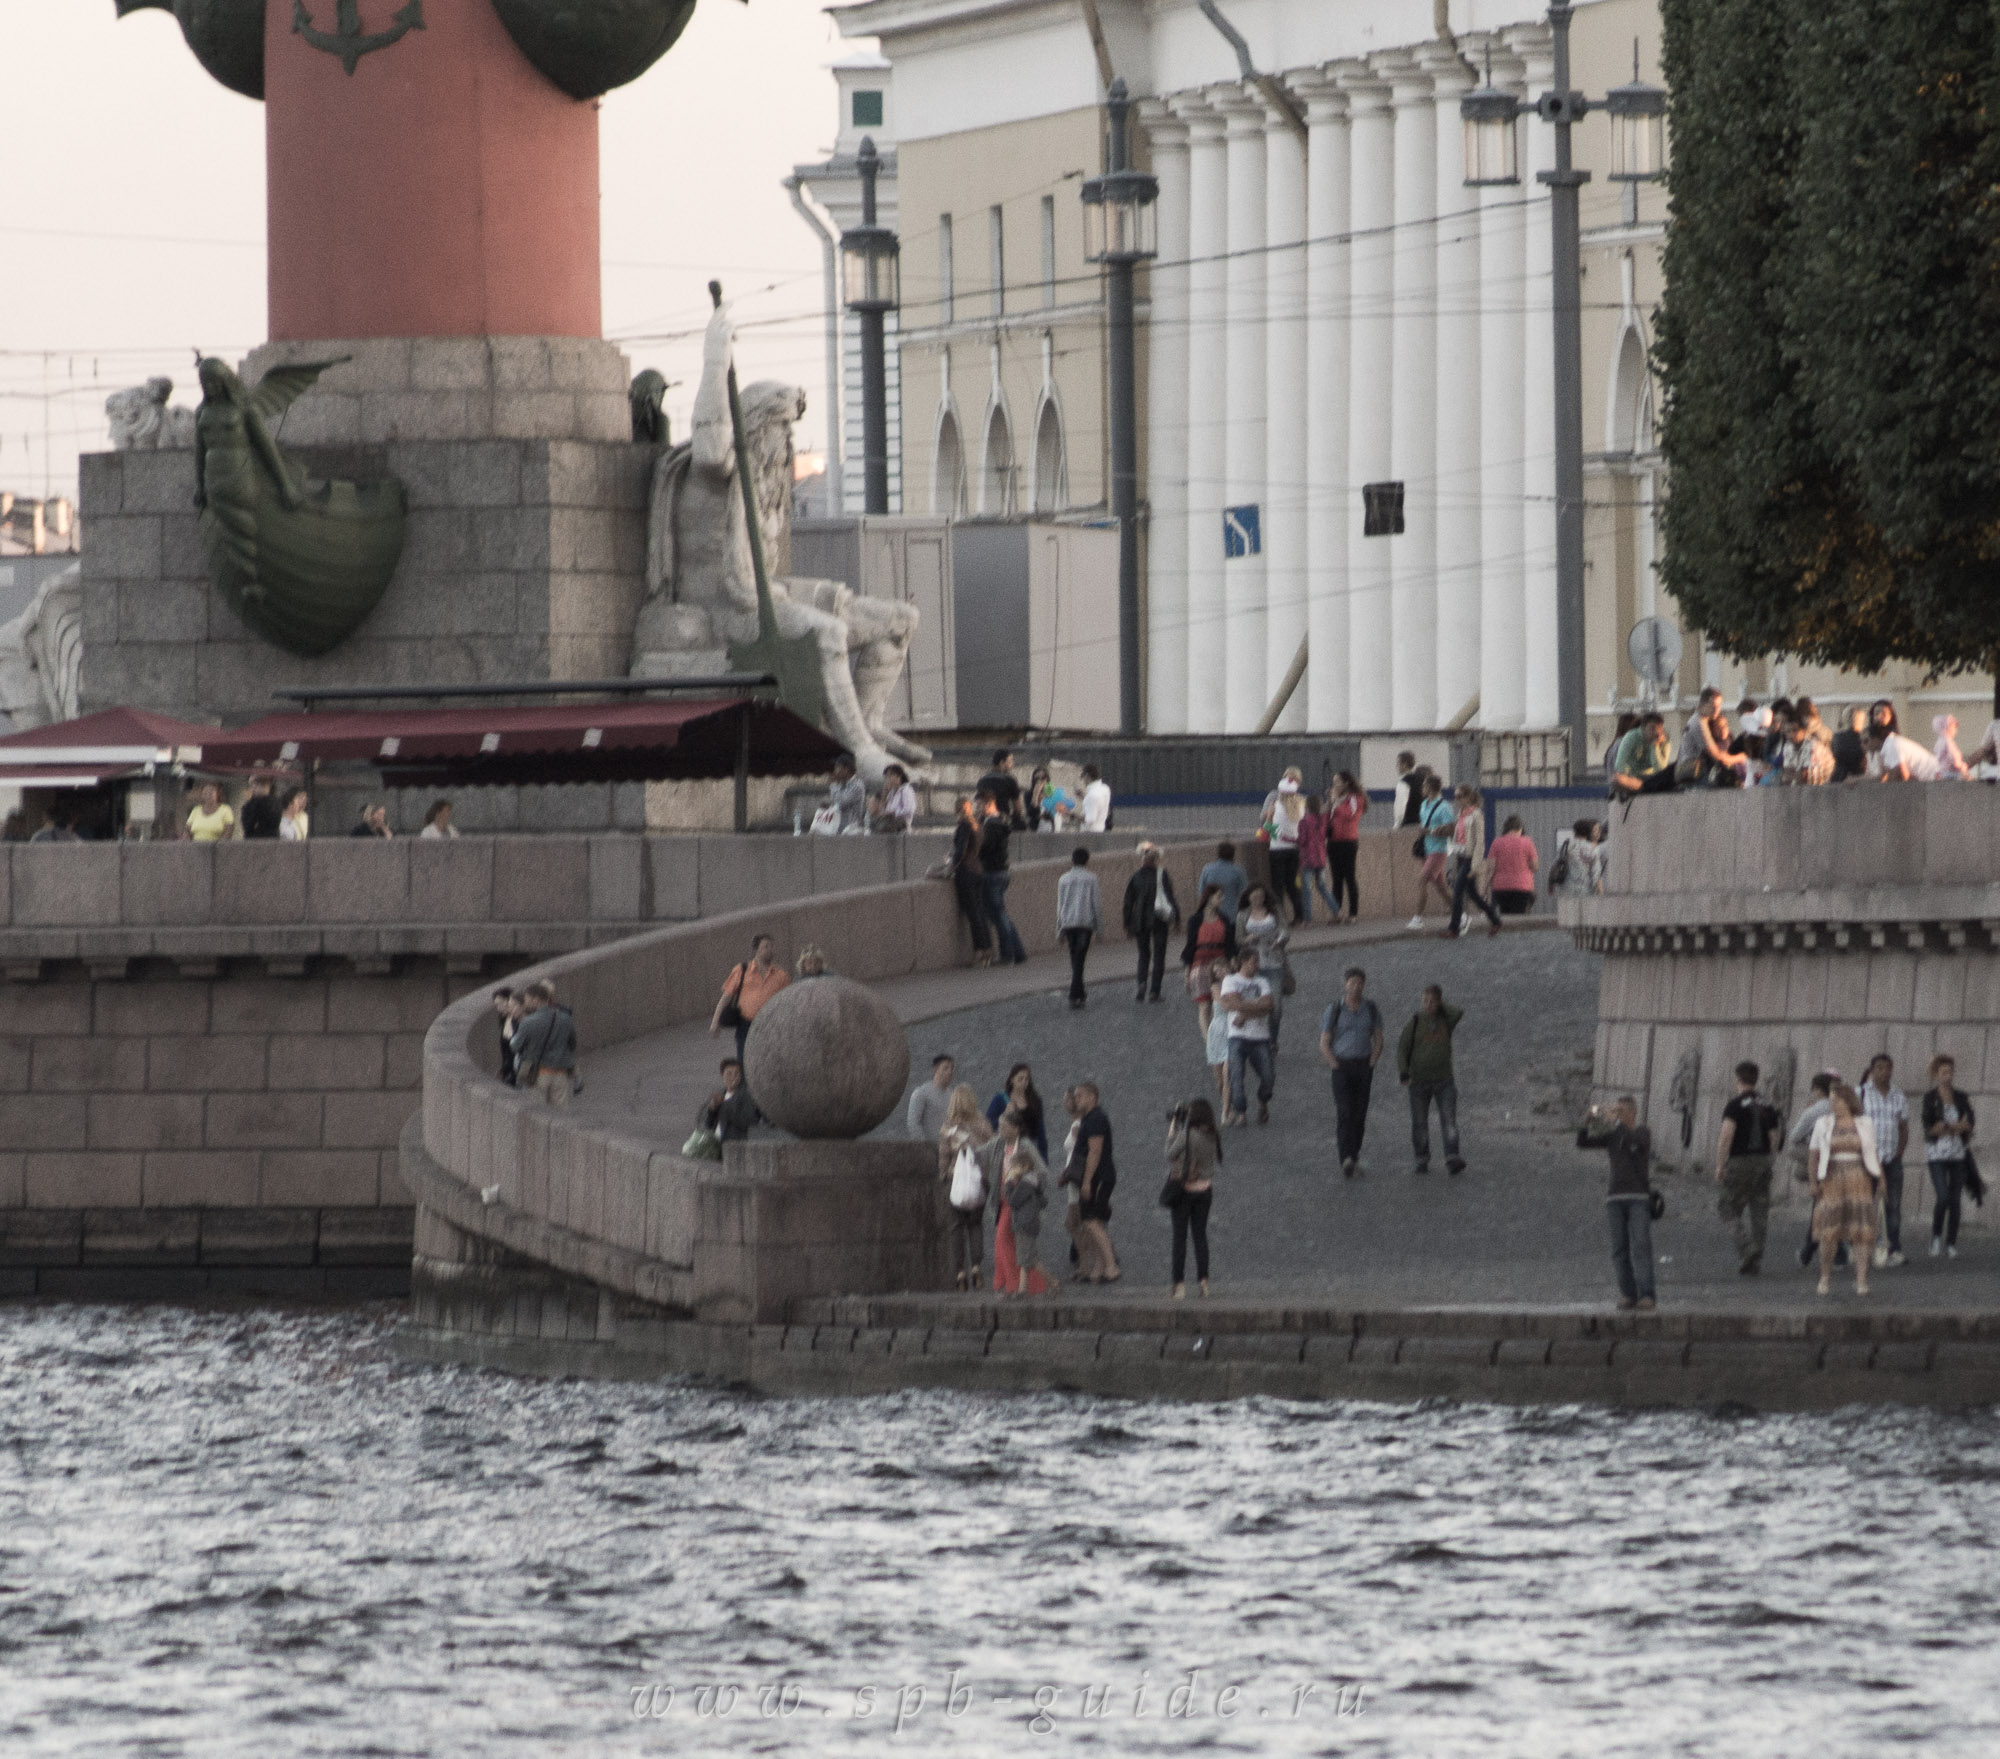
(775, 1222)
(1811, 925)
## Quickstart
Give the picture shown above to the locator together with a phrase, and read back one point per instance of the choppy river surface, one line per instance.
(260, 1534)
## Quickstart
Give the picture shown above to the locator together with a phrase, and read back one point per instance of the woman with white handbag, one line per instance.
(965, 1132)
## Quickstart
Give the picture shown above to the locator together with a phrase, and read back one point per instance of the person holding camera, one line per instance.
(1194, 1150)
(1629, 1202)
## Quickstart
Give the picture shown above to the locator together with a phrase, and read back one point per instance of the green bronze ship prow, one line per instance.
(301, 560)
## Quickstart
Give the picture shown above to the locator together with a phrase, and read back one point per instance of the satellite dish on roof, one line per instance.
(1654, 648)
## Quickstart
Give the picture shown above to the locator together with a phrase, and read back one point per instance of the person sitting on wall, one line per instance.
(895, 808)
(1643, 761)
(729, 1112)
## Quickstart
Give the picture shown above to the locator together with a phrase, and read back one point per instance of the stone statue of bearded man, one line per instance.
(701, 586)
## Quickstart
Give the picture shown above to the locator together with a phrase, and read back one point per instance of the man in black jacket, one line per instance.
(260, 812)
(1629, 1203)
(1151, 911)
(730, 1111)
(995, 830)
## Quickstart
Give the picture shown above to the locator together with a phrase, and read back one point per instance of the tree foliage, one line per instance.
(1830, 338)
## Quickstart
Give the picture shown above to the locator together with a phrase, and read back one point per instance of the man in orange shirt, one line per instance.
(746, 989)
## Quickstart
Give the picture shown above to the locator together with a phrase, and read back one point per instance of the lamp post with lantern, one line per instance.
(1119, 224)
(871, 281)
(1638, 155)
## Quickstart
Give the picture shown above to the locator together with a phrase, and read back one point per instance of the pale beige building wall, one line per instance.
(1045, 345)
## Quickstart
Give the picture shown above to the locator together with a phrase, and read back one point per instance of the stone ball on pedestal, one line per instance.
(827, 1059)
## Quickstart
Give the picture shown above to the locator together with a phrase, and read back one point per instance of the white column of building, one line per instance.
(1166, 431)
(1458, 627)
(1285, 497)
(1207, 377)
(1330, 494)
(1413, 626)
(1246, 482)
(1542, 703)
(1371, 208)
(1502, 527)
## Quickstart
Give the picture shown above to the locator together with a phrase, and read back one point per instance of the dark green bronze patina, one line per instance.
(347, 39)
(586, 47)
(301, 561)
(649, 415)
(227, 37)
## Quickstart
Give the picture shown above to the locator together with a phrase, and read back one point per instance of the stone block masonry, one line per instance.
(1827, 924)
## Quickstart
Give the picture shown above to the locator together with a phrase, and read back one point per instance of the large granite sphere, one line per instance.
(827, 1058)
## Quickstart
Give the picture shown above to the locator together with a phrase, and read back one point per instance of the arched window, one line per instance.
(1631, 421)
(1051, 467)
(996, 476)
(948, 473)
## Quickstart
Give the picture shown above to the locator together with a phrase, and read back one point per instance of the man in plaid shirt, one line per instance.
(1889, 1112)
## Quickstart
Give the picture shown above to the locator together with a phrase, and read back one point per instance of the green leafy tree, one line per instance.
(1830, 337)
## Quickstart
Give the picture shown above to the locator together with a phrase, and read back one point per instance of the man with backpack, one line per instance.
(1743, 1167)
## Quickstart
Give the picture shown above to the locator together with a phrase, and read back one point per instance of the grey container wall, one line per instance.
(989, 570)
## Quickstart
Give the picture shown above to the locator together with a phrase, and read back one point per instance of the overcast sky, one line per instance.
(135, 222)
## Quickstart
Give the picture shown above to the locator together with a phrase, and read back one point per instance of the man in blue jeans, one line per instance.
(995, 830)
(1629, 1202)
(1350, 1044)
(1246, 998)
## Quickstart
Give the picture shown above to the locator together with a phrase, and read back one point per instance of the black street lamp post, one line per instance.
(1119, 222)
(1638, 130)
(872, 282)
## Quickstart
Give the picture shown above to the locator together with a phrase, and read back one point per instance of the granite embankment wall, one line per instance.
(1819, 925)
(622, 1215)
(208, 1053)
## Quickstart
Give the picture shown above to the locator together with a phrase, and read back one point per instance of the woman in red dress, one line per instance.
(1011, 1142)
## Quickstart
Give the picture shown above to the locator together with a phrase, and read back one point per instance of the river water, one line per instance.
(259, 1533)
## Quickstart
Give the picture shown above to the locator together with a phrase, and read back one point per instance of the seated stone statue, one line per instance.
(143, 421)
(701, 586)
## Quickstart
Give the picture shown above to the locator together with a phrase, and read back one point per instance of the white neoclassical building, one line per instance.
(1331, 308)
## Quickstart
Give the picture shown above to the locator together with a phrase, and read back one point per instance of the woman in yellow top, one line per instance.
(208, 820)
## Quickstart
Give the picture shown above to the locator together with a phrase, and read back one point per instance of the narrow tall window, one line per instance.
(997, 259)
(1048, 250)
(944, 269)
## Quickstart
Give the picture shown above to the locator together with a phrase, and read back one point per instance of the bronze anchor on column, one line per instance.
(346, 39)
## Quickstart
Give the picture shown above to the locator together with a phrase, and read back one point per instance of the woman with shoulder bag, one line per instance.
(964, 1134)
(1194, 1150)
(1211, 935)
(1258, 926)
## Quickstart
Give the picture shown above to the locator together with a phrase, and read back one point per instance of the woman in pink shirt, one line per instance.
(1343, 841)
(1514, 863)
(1312, 859)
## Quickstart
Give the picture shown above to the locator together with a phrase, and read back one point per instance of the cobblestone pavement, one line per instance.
(1524, 1225)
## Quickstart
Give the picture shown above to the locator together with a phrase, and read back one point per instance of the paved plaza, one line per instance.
(1524, 1225)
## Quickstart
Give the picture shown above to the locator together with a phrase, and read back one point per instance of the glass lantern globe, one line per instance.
(1120, 221)
(871, 269)
(1638, 132)
(1492, 137)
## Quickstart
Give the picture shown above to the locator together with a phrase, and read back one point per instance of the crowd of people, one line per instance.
(996, 1172)
(1847, 1147)
(1787, 743)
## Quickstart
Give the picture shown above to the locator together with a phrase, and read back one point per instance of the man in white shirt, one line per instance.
(1246, 998)
(1886, 1108)
(1096, 800)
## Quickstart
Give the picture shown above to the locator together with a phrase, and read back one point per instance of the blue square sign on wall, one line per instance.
(1240, 535)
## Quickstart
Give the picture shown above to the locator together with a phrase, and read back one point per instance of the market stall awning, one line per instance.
(592, 742)
(111, 745)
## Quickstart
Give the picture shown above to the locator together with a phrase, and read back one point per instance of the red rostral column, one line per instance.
(443, 188)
